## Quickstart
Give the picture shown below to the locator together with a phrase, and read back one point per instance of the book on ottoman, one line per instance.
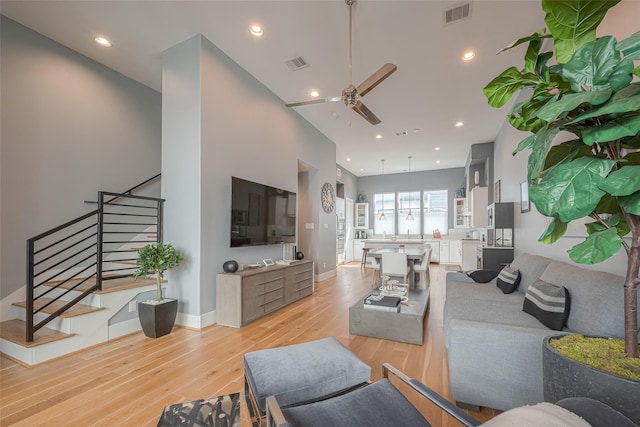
(382, 303)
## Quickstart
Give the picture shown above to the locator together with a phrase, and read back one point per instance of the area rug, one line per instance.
(220, 411)
(454, 267)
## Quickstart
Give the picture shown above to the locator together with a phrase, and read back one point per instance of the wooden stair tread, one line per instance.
(76, 310)
(108, 286)
(15, 330)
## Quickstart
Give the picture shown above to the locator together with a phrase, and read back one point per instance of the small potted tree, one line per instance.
(157, 316)
(590, 93)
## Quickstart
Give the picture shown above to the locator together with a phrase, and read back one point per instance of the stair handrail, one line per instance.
(135, 187)
(60, 256)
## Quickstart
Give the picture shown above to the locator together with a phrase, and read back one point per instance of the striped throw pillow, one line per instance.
(548, 303)
(508, 280)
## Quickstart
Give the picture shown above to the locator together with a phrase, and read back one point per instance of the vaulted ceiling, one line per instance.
(432, 89)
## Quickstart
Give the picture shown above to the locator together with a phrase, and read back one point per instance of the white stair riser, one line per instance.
(90, 329)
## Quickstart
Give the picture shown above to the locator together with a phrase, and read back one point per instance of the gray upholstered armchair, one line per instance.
(380, 404)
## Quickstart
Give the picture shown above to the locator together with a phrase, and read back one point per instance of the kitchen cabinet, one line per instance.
(469, 254)
(455, 251)
(460, 218)
(444, 251)
(478, 201)
(362, 215)
(358, 245)
(494, 258)
(435, 249)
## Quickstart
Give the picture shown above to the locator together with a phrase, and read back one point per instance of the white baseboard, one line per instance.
(196, 321)
(124, 328)
(326, 275)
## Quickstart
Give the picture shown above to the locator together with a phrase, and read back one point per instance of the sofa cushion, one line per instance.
(531, 268)
(548, 303)
(508, 280)
(482, 276)
(597, 299)
(378, 404)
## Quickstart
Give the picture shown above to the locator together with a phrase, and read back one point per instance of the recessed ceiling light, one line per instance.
(438, 161)
(459, 124)
(103, 41)
(468, 55)
(348, 159)
(314, 93)
(256, 30)
(361, 170)
(378, 136)
(437, 148)
(416, 130)
(402, 133)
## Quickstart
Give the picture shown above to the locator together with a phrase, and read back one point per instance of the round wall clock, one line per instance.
(328, 197)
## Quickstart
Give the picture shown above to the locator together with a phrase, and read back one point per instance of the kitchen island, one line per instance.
(434, 244)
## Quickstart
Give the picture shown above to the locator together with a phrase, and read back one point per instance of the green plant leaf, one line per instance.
(623, 182)
(500, 90)
(616, 105)
(592, 65)
(636, 71)
(632, 158)
(613, 130)
(608, 205)
(531, 56)
(573, 23)
(571, 190)
(597, 247)
(630, 204)
(554, 231)
(539, 152)
(541, 64)
(525, 144)
(538, 35)
(565, 152)
(570, 102)
(615, 221)
(622, 75)
(630, 47)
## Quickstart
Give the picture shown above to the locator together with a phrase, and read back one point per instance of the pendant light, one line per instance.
(382, 216)
(409, 216)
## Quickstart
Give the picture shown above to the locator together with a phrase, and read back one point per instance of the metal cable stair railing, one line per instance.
(80, 255)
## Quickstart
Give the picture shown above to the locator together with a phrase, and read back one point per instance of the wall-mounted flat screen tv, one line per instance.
(261, 215)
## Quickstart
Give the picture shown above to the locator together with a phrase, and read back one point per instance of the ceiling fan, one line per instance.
(351, 95)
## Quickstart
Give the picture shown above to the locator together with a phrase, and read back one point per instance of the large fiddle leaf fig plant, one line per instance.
(589, 97)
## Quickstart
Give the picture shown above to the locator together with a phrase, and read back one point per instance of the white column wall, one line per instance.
(235, 126)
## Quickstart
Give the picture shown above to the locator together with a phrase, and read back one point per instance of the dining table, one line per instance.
(413, 255)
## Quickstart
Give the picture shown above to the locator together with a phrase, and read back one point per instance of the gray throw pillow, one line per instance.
(482, 276)
(548, 303)
(508, 280)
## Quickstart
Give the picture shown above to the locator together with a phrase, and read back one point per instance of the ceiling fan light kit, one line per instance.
(351, 94)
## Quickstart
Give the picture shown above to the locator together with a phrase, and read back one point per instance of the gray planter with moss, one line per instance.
(564, 377)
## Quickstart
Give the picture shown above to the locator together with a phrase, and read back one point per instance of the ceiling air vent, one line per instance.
(457, 13)
(296, 63)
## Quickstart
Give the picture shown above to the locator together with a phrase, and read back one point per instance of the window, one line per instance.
(435, 211)
(409, 203)
(384, 203)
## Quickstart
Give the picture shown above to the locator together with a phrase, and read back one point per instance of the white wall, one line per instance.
(621, 21)
(225, 123)
(70, 127)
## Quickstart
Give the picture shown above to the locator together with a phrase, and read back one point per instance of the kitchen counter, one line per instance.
(399, 241)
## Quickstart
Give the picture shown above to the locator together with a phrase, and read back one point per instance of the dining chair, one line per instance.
(372, 263)
(422, 268)
(395, 264)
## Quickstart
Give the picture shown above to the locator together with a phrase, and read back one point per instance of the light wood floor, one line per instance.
(128, 381)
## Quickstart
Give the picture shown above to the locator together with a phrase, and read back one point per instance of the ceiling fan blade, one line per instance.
(361, 109)
(376, 78)
(315, 101)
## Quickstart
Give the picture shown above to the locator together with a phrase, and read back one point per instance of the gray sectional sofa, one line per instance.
(495, 349)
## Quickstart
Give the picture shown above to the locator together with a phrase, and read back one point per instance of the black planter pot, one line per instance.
(157, 319)
(564, 377)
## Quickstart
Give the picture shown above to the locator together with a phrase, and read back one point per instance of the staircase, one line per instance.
(79, 292)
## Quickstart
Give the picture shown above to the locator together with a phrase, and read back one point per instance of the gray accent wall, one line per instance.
(441, 179)
(70, 127)
(218, 122)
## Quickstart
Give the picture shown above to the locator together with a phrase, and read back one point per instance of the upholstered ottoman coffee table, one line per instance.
(300, 373)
